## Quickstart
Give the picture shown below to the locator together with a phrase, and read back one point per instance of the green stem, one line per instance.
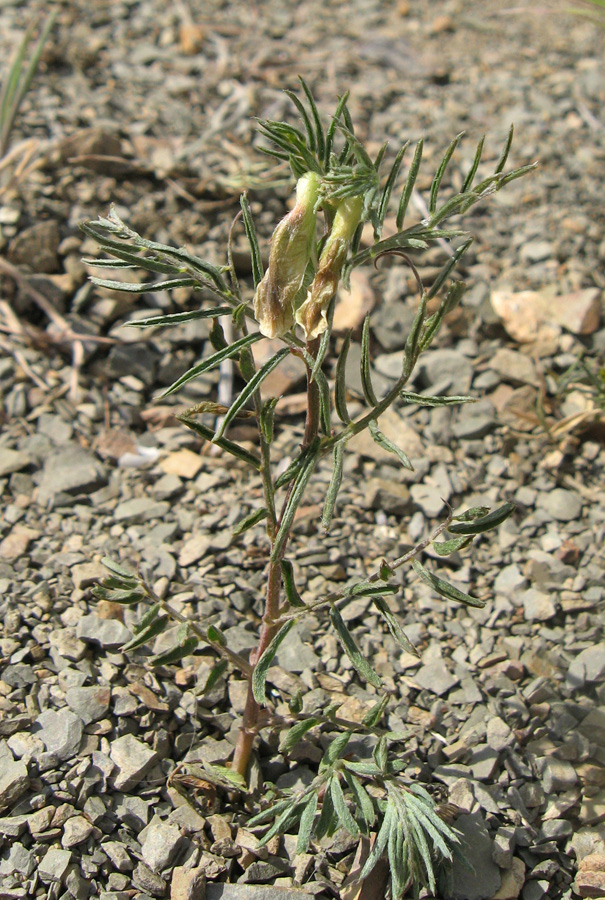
(270, 625)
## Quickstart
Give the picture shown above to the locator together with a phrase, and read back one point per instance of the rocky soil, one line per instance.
(151, 107)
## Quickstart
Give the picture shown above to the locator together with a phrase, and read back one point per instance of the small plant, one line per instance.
(15, 86)
(314, 248)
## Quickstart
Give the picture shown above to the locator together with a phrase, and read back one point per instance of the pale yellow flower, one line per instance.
(313, 314)
(291, 248)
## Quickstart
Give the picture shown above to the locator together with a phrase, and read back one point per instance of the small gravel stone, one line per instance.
(140, 509)
(60, 731)
(132, 759)
(89, 703)
(254, 892)
(76, 830)
(17, 859)
(588, 666)
(160, 844)
(149, 881)
(14, 778)
(71, 470)
(118, 855)
(561, 505)
(499, 735)
(109, 633)
(479, 877)
(556, 775)
(537, 605)
(503, 847)
(54, 866)
(436, 677)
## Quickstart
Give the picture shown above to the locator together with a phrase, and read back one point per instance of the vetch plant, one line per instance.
(339, 188)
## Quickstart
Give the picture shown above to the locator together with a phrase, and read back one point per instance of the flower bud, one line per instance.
(291, 247)
(312, 315)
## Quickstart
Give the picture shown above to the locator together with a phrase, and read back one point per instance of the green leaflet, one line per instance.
(366, 378)
(381, 755)
(371, 589)
(302, 479)
(259, 676)
(292, 595)
(444, 548)
(362, 799)
(335, 750)
(334, 487)
(296, 733)
(126, 597)
(213, 361)
(376, 713)
(390, 183)
(468, 181)
(255, 254)
(186, 643)
(251, 520)
(424, 400)
(383, 441)
(253, 384)
(224, 443)
(119, 570)
(147, 287)
(409, 184)
(441, 172)
(340, 388)
(177, 318)
(305, 828)
(445, 589)
(484, 523)
(216, 636)
(328, 820)
(216, 673)
(341, 809)
(267, 417)
(360, 663)
(144, 635)
(380, 844)
(394, 626)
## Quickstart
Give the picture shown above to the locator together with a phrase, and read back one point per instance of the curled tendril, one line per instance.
(407, 259)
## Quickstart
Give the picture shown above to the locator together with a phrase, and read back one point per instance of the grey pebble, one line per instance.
(254, 892)
(17, 859)
(499, 735)
(160, 842)
(60, 731)
(478, 877)
(140, 509)
(588, 666)
(132, 759)
(76, 830)
(54, 866)
(436, 677)
(89, 703)
(537, 605)
(560, 504)
(556, 775)
(12, 461)
(109, 633)
(70, 470)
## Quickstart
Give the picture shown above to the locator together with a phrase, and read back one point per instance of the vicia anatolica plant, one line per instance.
(339, 188)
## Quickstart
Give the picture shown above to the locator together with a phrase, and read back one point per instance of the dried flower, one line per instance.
(312, 315)
(291, 247)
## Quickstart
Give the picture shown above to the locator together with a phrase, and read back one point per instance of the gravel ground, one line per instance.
(150, 107)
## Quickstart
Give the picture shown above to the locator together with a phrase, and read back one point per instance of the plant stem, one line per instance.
(271, 618)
